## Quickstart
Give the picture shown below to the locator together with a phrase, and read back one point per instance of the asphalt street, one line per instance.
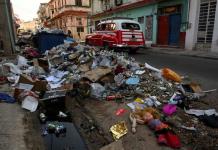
(200, 70)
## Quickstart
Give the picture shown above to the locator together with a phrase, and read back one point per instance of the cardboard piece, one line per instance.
(196, 87)
(56, 60)
(84, 67)
(39, 85)
(191, 88)
(96, 74)
(44, 64)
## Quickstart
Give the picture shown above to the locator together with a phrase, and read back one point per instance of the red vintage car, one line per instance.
(117, 34)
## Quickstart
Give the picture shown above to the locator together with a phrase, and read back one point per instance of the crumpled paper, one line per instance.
(118, 130)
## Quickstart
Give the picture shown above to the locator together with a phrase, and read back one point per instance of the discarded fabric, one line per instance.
(6, 98)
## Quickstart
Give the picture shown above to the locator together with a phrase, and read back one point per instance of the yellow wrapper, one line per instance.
(139, 100)
(118, 130)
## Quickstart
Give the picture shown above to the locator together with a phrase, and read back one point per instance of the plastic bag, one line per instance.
(97, 90)
(6, 98)
(13, 68)
(171, 75)
(119, 79)
(151, 68)
(132, 81)
(22, 61)
(105, 62)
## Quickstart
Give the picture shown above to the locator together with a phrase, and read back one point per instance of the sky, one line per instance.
(26, 9)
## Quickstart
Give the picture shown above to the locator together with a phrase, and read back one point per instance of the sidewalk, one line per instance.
(12, 127)
(182, 52)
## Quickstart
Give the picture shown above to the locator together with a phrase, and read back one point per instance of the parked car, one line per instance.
(117, 34)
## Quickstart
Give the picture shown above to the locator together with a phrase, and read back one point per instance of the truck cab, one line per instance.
(117, 34)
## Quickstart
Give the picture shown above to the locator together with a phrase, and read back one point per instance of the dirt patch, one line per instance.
(32, 137)
(205, 137)
(101, 115)
(94, 136)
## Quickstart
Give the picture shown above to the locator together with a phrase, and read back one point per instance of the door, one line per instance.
(174, 31)
(149, 28)
(163, 30)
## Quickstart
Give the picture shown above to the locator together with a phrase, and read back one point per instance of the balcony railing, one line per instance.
(70, 8)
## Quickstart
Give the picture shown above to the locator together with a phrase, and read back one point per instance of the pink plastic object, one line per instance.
(120, 111)
(169, 109)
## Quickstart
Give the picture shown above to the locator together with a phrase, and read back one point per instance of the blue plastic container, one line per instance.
(46, 41)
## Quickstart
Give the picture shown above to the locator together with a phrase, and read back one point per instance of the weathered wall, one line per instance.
(6, 27)
(215, 33)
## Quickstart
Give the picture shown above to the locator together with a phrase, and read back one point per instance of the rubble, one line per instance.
(152, 94)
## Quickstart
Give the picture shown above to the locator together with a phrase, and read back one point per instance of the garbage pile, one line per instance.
(83, 71)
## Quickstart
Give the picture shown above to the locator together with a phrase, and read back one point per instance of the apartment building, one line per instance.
(163, 22)
(69, 15)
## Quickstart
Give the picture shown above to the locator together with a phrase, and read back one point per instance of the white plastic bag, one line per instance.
(152, 68)
(22, 61)
(13, 68)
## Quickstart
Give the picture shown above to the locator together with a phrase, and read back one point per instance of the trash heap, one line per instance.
(152, 94)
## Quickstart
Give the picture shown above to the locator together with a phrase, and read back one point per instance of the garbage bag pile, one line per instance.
(152, 94)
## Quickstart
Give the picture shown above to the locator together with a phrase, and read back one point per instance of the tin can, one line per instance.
(111, 97)
(60, 129)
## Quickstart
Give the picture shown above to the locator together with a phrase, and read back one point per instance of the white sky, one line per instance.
(26, 9)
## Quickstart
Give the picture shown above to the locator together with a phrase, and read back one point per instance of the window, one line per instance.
(206, 21)
(58, 4)
(96, 24)
(98, 28)
(79, 21)
(170, 10)
(80, 29)
(118, 2)
(1, 45)
(78, 2)
(141, 20)
(110, 26)
(101, 27)
(130, 26)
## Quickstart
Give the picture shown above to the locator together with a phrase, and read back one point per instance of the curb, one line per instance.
(197, 56)
(179, 54)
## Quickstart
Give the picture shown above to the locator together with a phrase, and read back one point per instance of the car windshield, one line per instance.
(130, 26)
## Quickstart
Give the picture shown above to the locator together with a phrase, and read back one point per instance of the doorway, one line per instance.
(169, 24)
(174, 29)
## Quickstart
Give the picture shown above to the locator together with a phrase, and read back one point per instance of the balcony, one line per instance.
(111, 6)
(70, 8)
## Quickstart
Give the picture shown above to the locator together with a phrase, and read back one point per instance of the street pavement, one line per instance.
(201, 70)
(12, 128)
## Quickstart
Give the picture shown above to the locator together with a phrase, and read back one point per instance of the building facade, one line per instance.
(29, 25)
(7, 28)
(203, 26)
(163, 22)
(69, 15)
(43, 14)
